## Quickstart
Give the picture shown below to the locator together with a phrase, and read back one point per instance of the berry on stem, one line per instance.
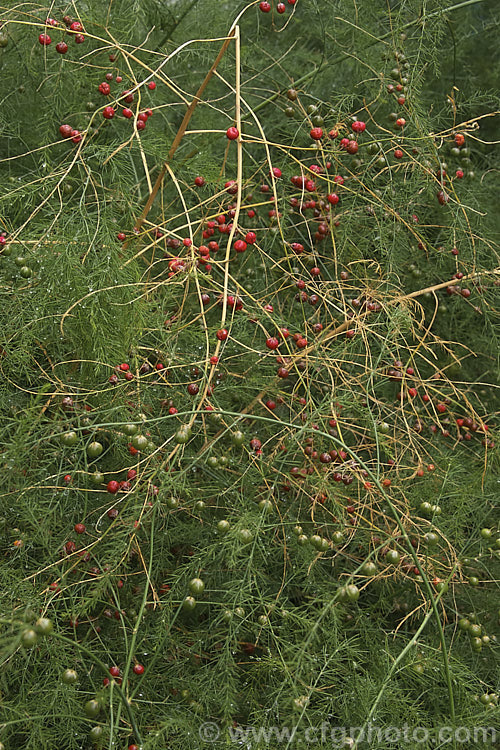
(316, 133)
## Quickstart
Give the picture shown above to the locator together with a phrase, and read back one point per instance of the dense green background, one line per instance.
(91, 303)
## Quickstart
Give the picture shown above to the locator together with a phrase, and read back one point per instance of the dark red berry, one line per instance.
(272, 343)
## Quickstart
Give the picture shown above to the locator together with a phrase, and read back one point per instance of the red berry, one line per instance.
(333, 198)
(222, 334)
(398, 154)
(265, 7)
(441, 408)
(214, 360)
(79, 528)
(76, 26)
(459, 173)
(62, 48)
(66, 130)
(459, 139)
(250, 237)
(44, 39)
(67, 478)
(113, 487)
(272, 343)
(114, 671)
(121, 236)
(108, 113)
(232, 133)
(75, 136)
(151, 85)
(281, 7)
(199, 181)
(400, 122)
(140, 124)
(316, 134)
(358, 126)
(138, 669)
(79, 39)
(352, 147)
(127, 113)
(69, 547)
(104, 88)
(240, 246)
